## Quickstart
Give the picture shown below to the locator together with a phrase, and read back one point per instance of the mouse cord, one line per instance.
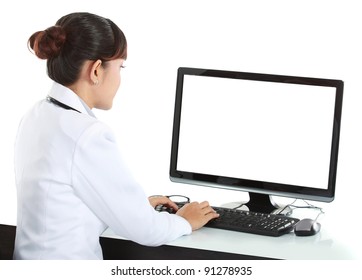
(320, 213)
(308, 206)
(311, 206)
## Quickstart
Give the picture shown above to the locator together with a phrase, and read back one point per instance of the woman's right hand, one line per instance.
(197, 214)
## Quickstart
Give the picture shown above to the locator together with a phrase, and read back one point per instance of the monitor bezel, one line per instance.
(254, 186)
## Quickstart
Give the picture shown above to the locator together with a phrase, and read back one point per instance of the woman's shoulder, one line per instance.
(82, 124)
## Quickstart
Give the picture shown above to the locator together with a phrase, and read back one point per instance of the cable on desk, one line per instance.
(308, 206)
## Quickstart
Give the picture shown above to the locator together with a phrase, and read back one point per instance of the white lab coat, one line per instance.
(72, 184)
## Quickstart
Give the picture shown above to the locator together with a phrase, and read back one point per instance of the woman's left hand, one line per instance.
(163, 200)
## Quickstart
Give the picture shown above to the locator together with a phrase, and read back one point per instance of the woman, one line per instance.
(71, 180)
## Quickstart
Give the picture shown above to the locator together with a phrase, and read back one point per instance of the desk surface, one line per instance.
(324, 245)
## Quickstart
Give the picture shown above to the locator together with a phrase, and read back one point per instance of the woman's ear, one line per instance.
(95, 71)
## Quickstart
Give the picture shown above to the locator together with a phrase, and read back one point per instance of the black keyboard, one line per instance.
(247, 221)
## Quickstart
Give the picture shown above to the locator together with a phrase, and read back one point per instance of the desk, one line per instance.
(208, 243)
(336, 241)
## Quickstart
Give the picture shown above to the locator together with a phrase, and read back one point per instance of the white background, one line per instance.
(303, 38)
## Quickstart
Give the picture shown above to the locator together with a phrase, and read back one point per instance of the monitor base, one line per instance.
(262, 203)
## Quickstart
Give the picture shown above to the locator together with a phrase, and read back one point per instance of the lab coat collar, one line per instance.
(68, 97)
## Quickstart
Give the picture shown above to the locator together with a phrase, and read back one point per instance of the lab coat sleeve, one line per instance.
(102, 181)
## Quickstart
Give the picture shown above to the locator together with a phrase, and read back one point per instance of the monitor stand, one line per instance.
(257, 203)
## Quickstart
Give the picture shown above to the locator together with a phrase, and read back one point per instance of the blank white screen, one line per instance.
(256, 130)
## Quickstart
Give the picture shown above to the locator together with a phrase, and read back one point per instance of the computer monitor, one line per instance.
(269, 135)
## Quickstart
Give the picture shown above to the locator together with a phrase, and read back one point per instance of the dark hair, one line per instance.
(74, 39)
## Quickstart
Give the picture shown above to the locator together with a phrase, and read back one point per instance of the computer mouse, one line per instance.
(307, 227)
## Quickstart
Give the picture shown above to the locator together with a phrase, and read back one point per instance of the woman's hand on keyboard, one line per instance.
(197, 214)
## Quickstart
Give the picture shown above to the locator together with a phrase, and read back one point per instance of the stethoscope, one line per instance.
(60, 104)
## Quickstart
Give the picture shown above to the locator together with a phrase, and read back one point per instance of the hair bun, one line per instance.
(48, 43)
